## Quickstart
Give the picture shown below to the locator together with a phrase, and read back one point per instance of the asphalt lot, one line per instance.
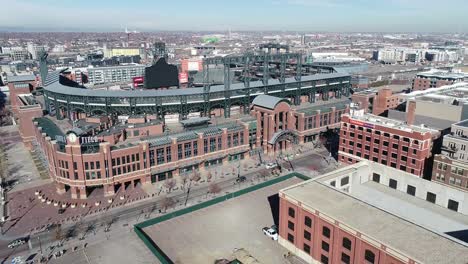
(214, 232)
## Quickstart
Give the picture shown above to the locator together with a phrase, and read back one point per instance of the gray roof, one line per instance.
(56, 87)
(436, 123)
(413, 240)
(268, 101)
(21, 78)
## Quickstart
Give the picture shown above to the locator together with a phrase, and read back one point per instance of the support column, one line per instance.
(109, 190)
(83, 194)
(74, 192)
(60, 187)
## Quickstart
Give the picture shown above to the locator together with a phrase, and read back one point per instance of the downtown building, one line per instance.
(436, 79)
(451, 166)
(386, 141)
(371, 213)
(115, 74)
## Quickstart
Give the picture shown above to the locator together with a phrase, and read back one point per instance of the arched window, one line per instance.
(369, 256)
(347, 243)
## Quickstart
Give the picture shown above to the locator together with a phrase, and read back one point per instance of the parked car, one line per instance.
(16, 243)
(241, 179)
(271, 165)
(270, 232)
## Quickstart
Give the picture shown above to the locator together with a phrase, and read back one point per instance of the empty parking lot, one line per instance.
(214, 232)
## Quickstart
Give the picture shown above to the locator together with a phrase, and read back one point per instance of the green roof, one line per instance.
(49, 127)
(323, 108)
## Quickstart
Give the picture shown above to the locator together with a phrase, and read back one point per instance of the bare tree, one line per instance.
(184, 178)
(167, 202)
(214, 188)
(195, 176)
(58, 233)
(263, 173)
(170, 184)
(209, 176)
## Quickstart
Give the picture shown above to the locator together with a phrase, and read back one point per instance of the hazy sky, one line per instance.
(294, 15)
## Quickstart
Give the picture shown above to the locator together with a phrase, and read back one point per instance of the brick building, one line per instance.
(451, 166)
(376, 102)
(435, 79)
(18, 85)
(279, 125)
(356, 215)
(387, 141)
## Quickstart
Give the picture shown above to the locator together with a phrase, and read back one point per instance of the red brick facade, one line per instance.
(407, 150)
(327, 240)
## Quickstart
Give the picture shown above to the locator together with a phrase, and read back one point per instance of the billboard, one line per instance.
(138, 81)
(183, 77)
(360, 123)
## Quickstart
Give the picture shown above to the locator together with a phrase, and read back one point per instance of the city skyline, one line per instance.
(296, 15)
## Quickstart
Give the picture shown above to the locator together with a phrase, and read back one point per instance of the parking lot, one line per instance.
(214, 232)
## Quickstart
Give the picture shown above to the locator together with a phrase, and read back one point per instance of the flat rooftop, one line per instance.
(447, 94)
(392, 123)
(442, 74)
(463, 123)
(322, 106)
(416, 241)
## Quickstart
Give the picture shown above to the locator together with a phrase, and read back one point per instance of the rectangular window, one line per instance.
(229, 141)
(326, 232)
(205, 145)
(306, 248)
(98, 165)
(325, 246)
(431, 197)
(133, 157)
(179, 151)
(241, 135)
(212, 144)
(86, 166)
(160, 155)
(235, 140)
(195, 148)
(376, 177)
(151, 157)
(307, 235)
(393, 184)
(291, 212)
(138, 156)
(220, 143)
(344, 180)
(324, 259)
(128, 158)
(345, 258)
(452, 205)
(308, 221)
(291, 225)
(168, 154)
(411, 190)
(188, 149)
(290, 238)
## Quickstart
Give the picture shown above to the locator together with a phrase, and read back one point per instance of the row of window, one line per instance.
(385, 143)
(369, 256)
(122, 160)
(385, 134)
(382, 161)
(411, 190)
(324, 120)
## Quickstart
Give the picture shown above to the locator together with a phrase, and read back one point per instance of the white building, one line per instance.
(115, 74)
(34, 50)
